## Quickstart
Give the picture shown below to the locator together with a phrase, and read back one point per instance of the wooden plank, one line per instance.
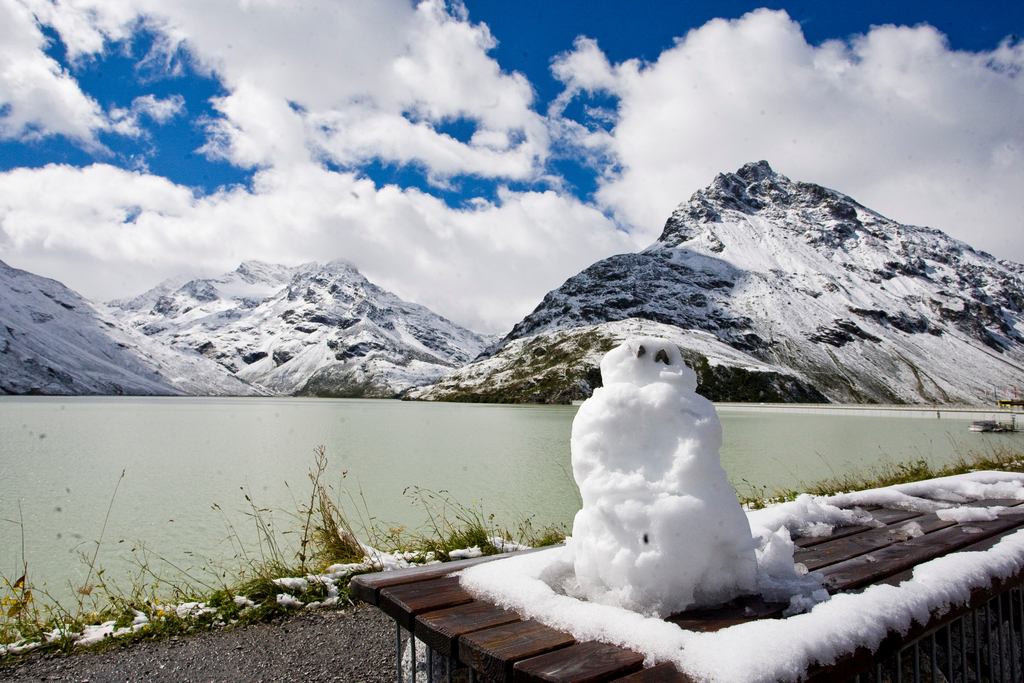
(662, 673)
(743, 609)
(833, 551)
(590, 662)
(441, 629)
(981, 546)
(367, 587)
(752, 608)
(883, 515)
(889, 517)
(403, 603)
(494, 651)
(889, 561)
(992, 502)
(852, 546)
(838, 532)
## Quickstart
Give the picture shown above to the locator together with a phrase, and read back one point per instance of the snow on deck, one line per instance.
(823, 628)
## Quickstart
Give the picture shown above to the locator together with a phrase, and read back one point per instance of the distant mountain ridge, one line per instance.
(821, 293)
(263, 329)
(308, 330)
(52, 341)
(774, 290)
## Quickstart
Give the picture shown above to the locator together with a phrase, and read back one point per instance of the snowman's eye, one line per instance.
(641, 351)
(645, 539)
(662, 356)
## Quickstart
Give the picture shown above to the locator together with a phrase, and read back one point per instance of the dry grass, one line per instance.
(452, 526)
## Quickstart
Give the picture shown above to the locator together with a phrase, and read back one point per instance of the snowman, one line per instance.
(661, 529)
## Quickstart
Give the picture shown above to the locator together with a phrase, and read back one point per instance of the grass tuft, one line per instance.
(452, 526)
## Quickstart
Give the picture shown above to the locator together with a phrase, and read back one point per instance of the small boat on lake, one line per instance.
(994, 425)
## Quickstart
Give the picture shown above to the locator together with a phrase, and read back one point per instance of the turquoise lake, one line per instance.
(189, 464)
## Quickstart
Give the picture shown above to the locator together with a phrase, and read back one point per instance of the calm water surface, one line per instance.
(61, 459)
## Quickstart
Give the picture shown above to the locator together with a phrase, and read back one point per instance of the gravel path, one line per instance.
(354, 646)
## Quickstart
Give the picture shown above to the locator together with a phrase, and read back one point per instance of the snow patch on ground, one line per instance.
(332, 579)
(935, 494)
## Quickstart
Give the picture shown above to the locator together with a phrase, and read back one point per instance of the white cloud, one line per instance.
(159, 110)
(366, 80)
(585, 68)
(345, 81)
(126, 121)
(37, 97)
(894, 118)
(257, 129)
(444, 76)
(83, 29)
(355, 137)
(484, 266)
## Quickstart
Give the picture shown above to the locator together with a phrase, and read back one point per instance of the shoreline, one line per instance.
(932, 412)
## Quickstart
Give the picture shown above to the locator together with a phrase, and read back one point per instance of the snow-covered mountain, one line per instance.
(52, 341)
(805, 283)
(307, 330)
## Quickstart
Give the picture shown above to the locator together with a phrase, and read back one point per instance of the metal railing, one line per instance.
(416, 661)
(985, 645)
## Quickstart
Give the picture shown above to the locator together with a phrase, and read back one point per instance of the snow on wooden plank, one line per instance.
(875, 566)
(863, 659)
(367, 587)
(865, 542)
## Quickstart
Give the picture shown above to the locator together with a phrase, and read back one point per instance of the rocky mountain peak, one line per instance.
(800, 277)
(253, 272)
(337, 283)
(341, 267)
(749, 189)
(757, 190)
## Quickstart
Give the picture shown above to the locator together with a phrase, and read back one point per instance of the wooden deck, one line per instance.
(500, 646)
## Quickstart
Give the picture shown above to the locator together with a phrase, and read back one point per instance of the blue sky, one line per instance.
(470, 157)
